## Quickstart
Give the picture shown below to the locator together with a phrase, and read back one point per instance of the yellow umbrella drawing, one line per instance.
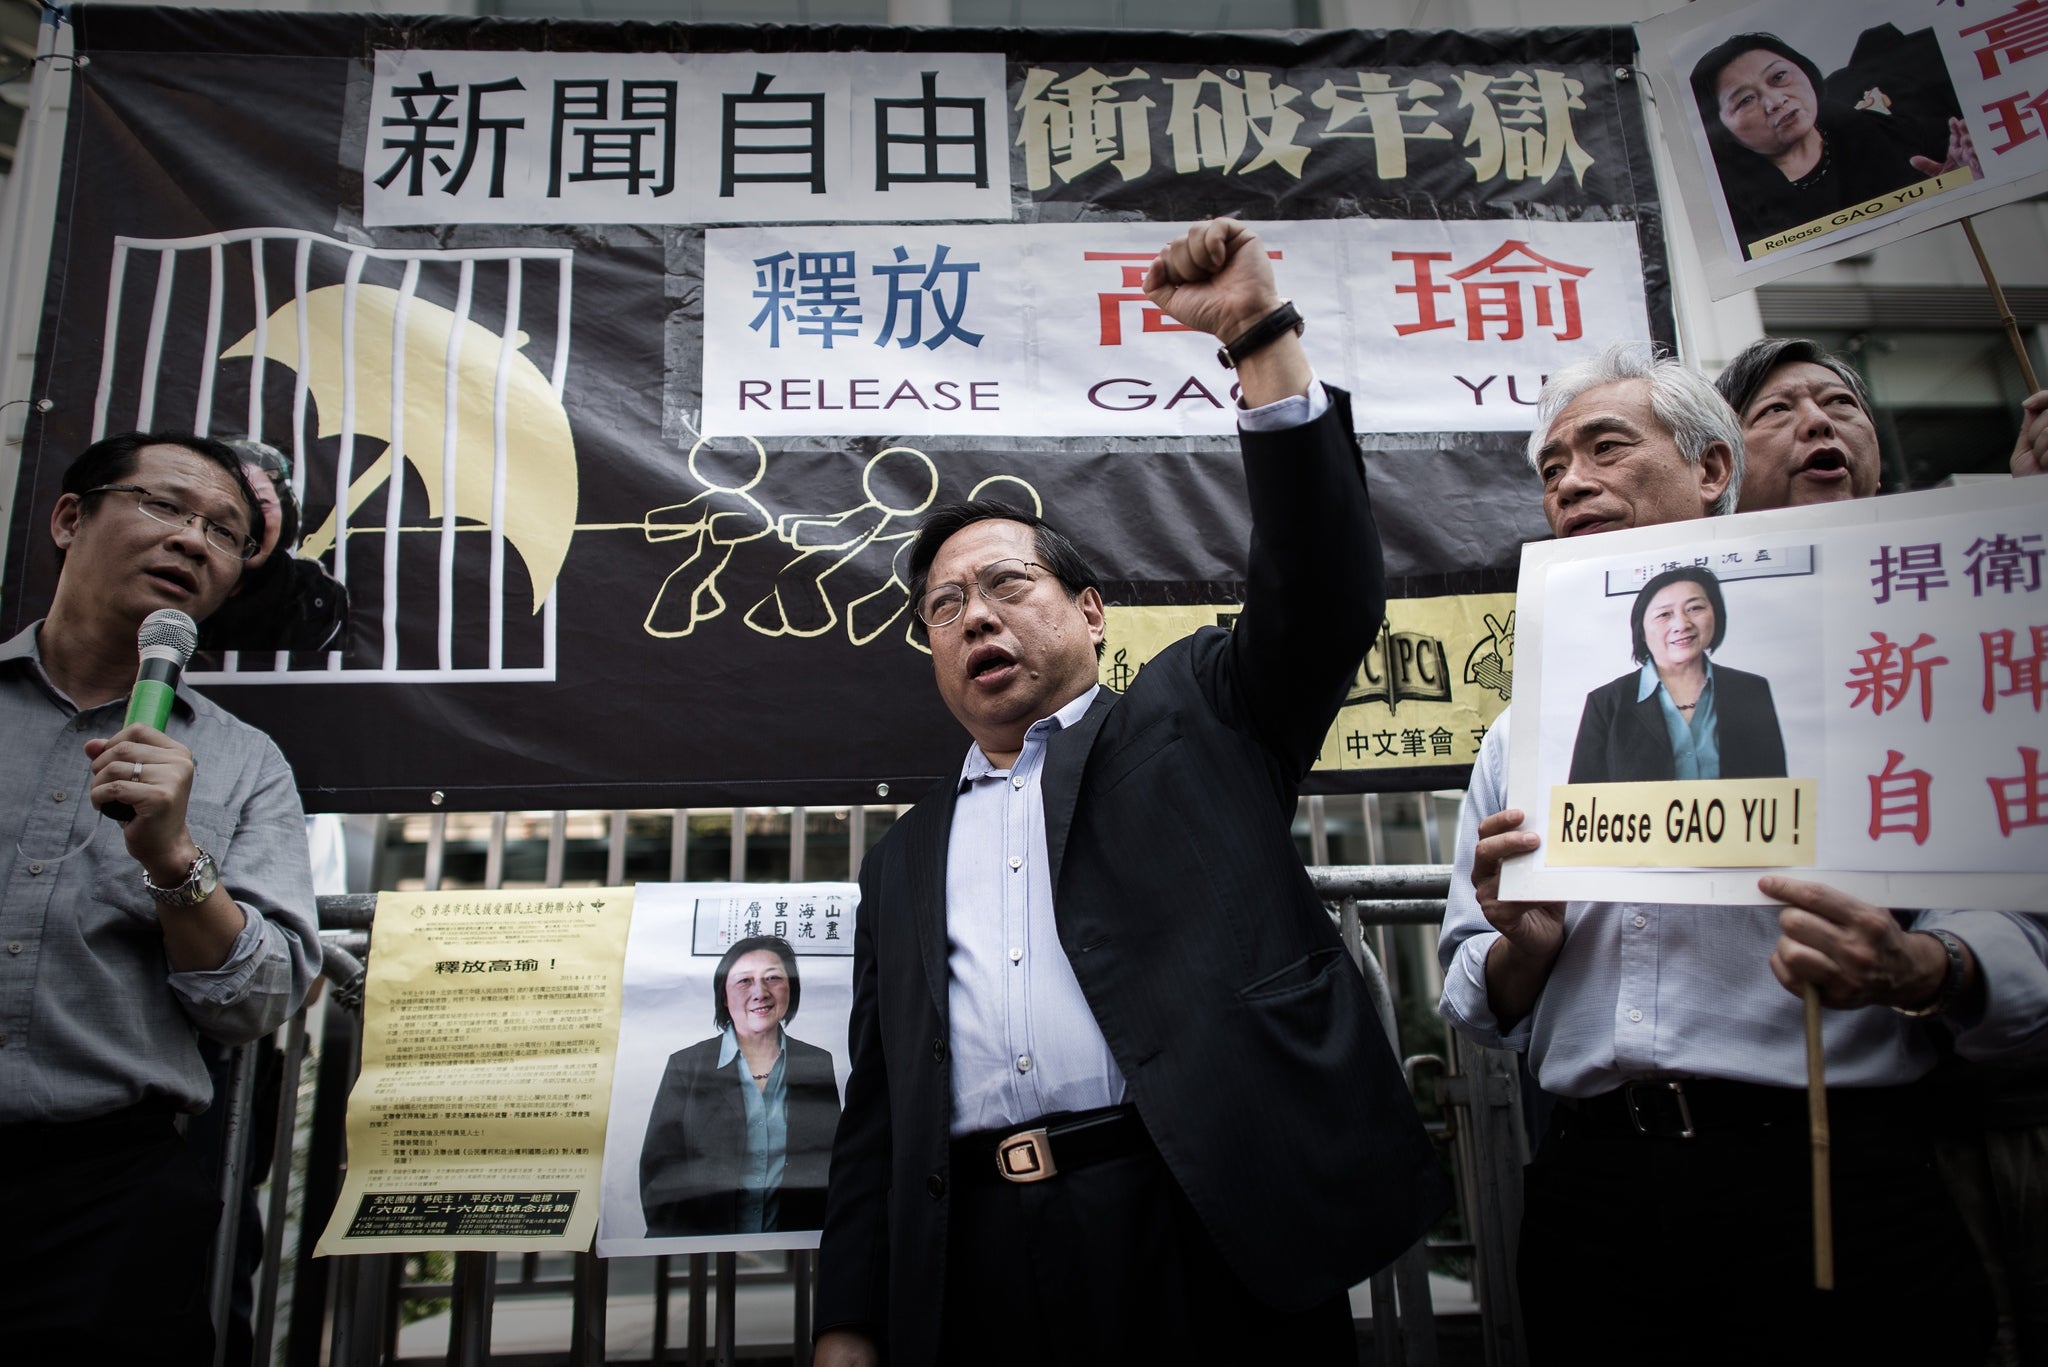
(540, 454)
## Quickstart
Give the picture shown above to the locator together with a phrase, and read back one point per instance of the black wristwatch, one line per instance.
(1951, 981)
(1261, 334)
(200, 881)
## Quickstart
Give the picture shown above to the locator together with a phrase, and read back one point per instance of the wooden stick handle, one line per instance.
(1817, 1122)
(2005, 316)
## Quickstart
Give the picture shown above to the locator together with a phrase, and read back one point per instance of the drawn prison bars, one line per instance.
(372, 337)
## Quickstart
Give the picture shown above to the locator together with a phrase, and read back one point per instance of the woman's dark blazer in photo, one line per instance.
(697, 1142)
(1622, 740)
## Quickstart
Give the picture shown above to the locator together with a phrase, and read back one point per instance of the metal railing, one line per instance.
(1384, 913)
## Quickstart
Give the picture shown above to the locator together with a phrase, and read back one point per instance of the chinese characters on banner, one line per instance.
(529, 137)
(1045, 329)
(1833, 135)
(614, 377)
(1440, 671)
(817, 920)
(1901, 645)
(1511, 125)
(518, 137)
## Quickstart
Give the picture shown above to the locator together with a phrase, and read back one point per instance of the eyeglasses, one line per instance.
(1000, 582)
(157, 508)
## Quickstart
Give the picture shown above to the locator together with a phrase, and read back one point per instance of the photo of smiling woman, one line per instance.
(1788, 154)
(1678, 715)
(740, 1134)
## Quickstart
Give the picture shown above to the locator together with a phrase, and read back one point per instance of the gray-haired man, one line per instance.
(1678, 1146)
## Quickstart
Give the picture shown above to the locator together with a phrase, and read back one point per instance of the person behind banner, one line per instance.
(740, 1135)
(284, 602)
(1810, 436)
(1678, 715)
(1809, 433)
(1117, 1094)
(126, 943)
(1672, 1036)
(1788, 156)
(1809, 429)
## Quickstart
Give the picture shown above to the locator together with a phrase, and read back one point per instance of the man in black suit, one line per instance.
(1116, 1095)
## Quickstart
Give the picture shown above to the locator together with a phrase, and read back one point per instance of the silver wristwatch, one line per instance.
(200, 881)
(1951, 980)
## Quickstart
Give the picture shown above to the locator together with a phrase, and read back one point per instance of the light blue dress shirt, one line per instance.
(1024, 1042)
(1695, 741)
(1645, 990)
(767, 1137)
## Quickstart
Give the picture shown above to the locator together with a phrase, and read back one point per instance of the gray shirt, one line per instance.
(1647, 990)
(92, 1019)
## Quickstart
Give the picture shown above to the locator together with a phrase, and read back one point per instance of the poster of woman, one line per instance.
(1805, 132)
(1676, 715)
(732, 1053)
(1790, 149)
(1849, 693)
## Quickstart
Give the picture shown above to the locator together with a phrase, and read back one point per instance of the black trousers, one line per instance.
(1680, 1251)
(1108, 1264)
(103, 1256)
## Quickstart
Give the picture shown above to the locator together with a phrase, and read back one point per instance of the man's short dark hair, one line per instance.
(1054, 551)
(111, 460)
(1685, 574)
(721, 1014)
(1756, 362)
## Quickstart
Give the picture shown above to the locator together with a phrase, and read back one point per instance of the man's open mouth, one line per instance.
(1827, 460)
(171, 574)
(987, 660)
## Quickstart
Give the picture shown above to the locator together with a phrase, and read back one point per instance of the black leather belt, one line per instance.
(1056, 1144)
(144, 1123)
(1685, 1108)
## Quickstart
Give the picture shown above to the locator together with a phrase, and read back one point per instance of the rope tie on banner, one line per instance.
(43, 405)
(28, 64)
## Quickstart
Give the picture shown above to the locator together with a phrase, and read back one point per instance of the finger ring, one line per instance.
(137, 775)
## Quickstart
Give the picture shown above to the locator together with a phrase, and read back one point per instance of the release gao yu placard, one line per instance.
(1877, 703)
(732, 1058)
(1806, 132)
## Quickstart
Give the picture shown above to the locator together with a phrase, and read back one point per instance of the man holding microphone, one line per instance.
(122, 941)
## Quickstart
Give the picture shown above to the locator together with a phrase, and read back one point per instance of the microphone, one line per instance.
(167, 639)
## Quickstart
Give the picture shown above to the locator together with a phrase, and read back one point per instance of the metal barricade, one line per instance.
(355, 1303)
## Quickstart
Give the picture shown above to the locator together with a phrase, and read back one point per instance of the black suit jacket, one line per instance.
(1622, 740)
(1248, 1041)
(697, 1140)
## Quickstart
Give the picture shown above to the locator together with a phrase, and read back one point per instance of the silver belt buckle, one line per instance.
(1677, 1088)
(1025, 1157)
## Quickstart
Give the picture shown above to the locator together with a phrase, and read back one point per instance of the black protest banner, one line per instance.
(615, 362)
